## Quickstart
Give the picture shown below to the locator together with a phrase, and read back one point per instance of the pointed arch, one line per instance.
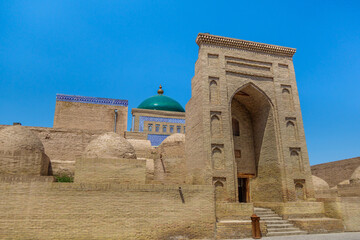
(254, 86)
(291, 129)
(214, 92)
(215, 125)
(217, 158)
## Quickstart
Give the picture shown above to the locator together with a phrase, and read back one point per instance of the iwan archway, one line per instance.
(254, 145)
(244, 126)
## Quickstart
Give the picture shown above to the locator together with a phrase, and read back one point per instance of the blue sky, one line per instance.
(125, 49)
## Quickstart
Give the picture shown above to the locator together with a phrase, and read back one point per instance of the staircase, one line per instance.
(276, 226)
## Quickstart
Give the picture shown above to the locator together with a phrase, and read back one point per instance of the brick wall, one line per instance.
(77, 115)
(40, 210)
(110, 170)
(63, 146)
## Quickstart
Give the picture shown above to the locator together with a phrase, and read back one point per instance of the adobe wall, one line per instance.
(336, 172)
(169, 163)
(110, 170)
(63, 146)
(90, 116)
(43, 210)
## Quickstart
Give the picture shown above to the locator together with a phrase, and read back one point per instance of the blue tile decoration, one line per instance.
(94, 100)
(156, 139)
(142, 119)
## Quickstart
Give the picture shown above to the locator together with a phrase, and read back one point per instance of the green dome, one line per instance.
(161, 102)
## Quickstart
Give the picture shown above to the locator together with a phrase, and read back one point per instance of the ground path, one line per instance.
(329, 236)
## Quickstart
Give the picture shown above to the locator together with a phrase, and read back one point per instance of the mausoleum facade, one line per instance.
(239, 149)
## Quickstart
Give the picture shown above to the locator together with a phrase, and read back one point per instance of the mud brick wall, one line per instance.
(43, 210)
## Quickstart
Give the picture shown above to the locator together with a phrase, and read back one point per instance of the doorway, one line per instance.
(243, 190)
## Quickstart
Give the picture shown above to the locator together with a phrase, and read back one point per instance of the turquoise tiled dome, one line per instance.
(161, 102)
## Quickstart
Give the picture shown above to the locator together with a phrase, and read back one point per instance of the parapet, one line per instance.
(204, 38)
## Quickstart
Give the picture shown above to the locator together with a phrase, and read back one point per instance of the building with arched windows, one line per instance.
(243, 152)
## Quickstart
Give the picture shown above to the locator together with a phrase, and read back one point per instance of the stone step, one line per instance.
(283, 229)
(276, 225)
(271, 218)
(277, 222)
(265, 214)
(263, 211)
(272, 234)
(283, 225)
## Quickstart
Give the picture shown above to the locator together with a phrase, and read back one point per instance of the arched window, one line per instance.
(235, 127)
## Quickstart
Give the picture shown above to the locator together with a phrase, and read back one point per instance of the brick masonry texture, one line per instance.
(90, 116)
(38, 210)
(264, 82)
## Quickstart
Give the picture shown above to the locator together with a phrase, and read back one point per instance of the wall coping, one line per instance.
(205, 38)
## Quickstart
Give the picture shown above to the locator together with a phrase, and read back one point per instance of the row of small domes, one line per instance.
(107, 145)
(15, 138)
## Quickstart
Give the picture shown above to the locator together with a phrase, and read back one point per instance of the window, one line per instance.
(150, 127)
(164, 128)
(178, 129)
(184, 129)
(157, 127)
(235, 127)
(171, 128)
(237, 154)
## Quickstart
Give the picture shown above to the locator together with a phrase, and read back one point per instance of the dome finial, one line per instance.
(160, 91)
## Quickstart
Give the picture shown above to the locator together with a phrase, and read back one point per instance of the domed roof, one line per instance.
(161, 102)
(110, 145)
(176, 137)
(19, 138)
(355, 177)
(142, 148)
(319, 183)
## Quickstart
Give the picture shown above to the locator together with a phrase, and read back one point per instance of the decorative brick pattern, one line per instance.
(94, 100)
(204, 38)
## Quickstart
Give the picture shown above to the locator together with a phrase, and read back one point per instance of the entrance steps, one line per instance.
(276, 225)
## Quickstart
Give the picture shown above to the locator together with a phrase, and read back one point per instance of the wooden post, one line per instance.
(255, 222)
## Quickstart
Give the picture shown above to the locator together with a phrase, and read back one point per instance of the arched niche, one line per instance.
(286, 97)
(215, 124)
(299, 191)
(296, 160)
(291, 129)
(220, 188)
(217, 158)
(214, 92)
